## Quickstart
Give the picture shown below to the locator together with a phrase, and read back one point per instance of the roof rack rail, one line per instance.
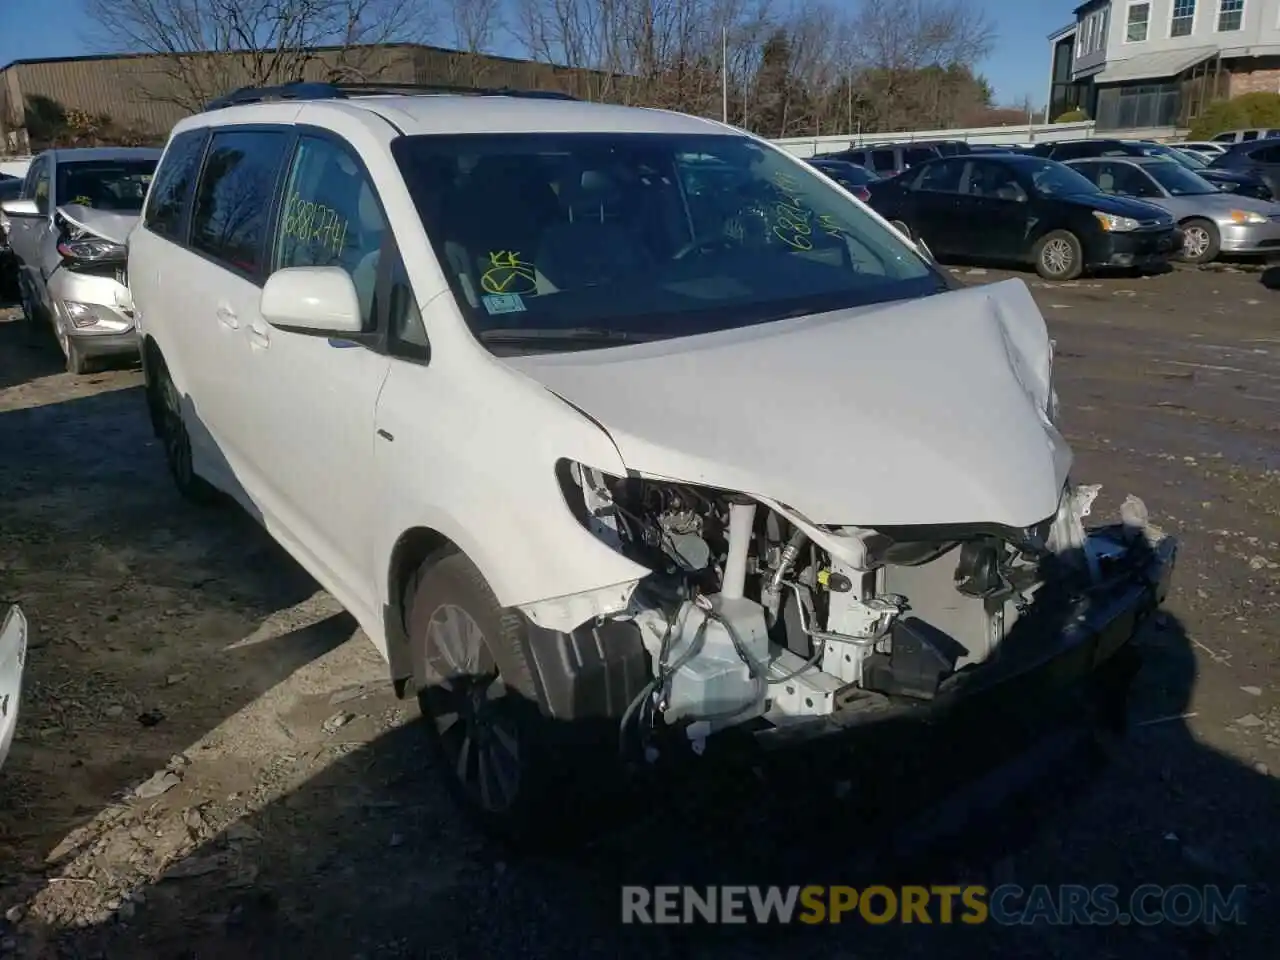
(308, 90)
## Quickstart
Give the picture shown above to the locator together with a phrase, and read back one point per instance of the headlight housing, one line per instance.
(1114, 224)
(90, 250)
(1246, 216)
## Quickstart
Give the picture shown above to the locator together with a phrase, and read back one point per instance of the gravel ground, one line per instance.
(210, 764)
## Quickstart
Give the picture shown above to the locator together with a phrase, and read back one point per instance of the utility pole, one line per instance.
(724, 74)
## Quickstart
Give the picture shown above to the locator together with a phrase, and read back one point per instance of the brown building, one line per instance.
(149, 93)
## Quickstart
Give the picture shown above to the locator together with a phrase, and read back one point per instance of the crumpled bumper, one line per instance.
(13, 657)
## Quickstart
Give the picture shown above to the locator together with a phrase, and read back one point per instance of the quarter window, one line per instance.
(1139, 22)
(331, 217)
(173, 184)
(1230, 15)
(234, 197)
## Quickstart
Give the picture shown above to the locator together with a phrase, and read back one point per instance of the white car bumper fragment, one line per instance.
(13, 657)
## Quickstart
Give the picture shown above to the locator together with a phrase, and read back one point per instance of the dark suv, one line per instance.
(1259, 158)
(887, 159)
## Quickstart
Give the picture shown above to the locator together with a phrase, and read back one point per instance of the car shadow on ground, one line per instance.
(1271, 277)
(27, 352)
(963, 264)
(367, 859)
(132, 595)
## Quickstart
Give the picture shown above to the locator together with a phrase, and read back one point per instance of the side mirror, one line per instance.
(21, 208)
(314, 300)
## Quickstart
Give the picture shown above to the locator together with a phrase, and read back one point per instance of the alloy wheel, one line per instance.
(1057, 256)
(469, 706)
(1195, 241)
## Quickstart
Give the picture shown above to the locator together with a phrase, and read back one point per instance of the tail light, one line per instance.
(862, 193)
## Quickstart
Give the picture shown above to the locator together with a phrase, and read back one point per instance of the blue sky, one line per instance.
(1017, 67)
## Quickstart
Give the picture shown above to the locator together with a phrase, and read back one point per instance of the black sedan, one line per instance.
(1025, 209)
(849, 175)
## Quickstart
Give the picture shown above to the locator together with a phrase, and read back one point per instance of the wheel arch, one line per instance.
(152, 360)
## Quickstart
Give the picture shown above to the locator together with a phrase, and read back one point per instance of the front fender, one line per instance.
(480, 471)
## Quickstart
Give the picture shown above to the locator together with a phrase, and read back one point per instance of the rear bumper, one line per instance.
(1136, 249)
(13, 656)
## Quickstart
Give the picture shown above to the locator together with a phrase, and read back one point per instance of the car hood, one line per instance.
(1226, 176)
(928, 411)
(106, 224)
(1120, 206)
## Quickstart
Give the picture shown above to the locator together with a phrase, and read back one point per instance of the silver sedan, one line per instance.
(1212, 222)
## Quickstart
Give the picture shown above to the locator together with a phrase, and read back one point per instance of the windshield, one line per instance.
(1177, 156)
(650, 235)
(1178, 180)
(1053, 179)
(116, 185)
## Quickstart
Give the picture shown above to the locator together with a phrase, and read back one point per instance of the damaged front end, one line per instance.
(756, 619)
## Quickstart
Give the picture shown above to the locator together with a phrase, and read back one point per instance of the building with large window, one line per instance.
(1144, 64)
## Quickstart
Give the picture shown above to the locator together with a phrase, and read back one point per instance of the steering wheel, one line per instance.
(704, 245)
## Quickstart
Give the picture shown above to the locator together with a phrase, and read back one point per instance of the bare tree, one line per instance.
(204, 48)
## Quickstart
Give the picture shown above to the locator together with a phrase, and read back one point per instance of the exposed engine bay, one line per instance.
(752, 616)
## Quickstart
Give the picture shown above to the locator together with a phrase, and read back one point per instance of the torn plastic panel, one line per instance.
(754, 617)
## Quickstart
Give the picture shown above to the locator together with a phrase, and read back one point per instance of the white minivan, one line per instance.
(623, 434)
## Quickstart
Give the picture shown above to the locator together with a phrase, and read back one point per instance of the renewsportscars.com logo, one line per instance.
(1006, 905)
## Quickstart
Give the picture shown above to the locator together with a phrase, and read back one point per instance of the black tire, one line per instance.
(1059, 256)
(167, 402)
(30, 307)
(77, 362)
(503, 761)
(1201, 241)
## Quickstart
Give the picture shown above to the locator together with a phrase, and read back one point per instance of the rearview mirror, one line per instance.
(318, 300)
(21, 208)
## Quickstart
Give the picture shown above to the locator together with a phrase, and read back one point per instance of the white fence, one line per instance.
(1022, 134)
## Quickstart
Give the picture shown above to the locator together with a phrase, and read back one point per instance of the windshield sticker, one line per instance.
(793, 219)
(507, 273)
(83, 201)
(504, 303)
(314, 223)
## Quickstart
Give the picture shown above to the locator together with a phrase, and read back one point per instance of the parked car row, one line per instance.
(68, 232)
(1087, 204)
(522, 381)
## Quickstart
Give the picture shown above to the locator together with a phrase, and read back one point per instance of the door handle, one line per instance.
(227, 317)
(258, 335)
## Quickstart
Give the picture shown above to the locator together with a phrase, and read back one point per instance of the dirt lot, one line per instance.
(210, 764)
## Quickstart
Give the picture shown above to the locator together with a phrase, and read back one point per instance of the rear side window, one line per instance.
(1225, 138)
(941, 177)
(233, 199)
(919, 155)
(1249, 135)
(883, 161)
(173, 183)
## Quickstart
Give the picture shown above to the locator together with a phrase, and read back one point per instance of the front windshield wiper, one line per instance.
(565, 334)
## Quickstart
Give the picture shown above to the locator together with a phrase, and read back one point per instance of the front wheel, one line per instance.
(500, 756)
(1201, 241)
(1059, 256)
